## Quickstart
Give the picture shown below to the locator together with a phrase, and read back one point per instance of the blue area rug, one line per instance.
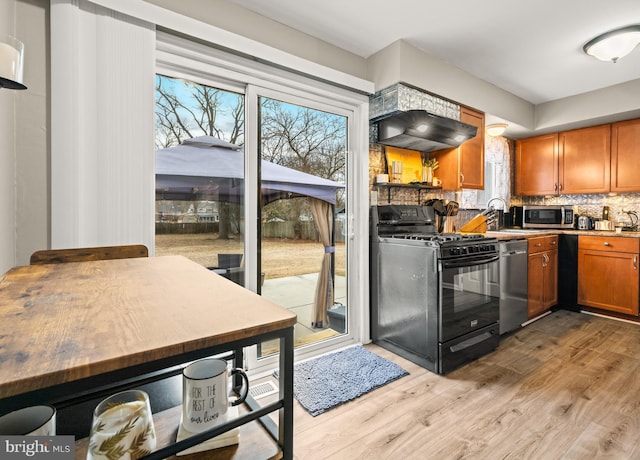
(325, 382)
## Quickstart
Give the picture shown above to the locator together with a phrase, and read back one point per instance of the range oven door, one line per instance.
(469, 296)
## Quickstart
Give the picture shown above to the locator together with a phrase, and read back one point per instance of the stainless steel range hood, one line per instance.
(407, 117)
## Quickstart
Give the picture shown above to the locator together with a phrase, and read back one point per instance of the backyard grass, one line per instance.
(280, 257)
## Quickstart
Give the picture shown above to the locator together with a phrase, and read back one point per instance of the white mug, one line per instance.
(205, 393)
(31, 421)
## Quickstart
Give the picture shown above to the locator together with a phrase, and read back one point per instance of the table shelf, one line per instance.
(255, 442)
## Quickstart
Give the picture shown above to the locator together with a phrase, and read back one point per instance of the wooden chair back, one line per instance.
(60, 256)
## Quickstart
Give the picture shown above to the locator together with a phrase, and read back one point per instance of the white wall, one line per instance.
(401, 61)
(226, 15)
(24, 158)
(32, 133)
(615, 103)
(8, 100)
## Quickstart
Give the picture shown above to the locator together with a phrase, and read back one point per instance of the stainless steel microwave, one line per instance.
(542, 216)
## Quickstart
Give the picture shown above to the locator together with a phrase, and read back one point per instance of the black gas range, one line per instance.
(451, 245)
(434, 296)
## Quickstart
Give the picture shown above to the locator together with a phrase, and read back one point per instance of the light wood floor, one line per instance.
(564, 387)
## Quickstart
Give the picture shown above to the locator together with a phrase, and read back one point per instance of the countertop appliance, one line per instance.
(434, 296)
(513, 285)
(584, 223)
(542, 216)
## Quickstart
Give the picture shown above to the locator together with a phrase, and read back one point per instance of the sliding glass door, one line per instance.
(261, 176)
(228, 155)
(302, 250)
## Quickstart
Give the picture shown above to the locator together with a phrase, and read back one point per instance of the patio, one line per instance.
(295, 293)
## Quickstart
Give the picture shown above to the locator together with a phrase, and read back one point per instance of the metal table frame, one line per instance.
(108, 383)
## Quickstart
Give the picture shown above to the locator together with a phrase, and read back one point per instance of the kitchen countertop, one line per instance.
(505, 235)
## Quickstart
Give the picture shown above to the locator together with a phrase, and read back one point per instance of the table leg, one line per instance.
(286, 394)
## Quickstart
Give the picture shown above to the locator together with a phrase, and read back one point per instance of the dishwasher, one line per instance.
(513, 285)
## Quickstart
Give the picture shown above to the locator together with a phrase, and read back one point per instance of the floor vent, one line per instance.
(263, 389)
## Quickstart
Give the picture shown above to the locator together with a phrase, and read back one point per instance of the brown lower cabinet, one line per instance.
(608, 273)
(542, 274)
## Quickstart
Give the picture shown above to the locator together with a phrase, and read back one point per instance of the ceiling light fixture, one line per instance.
(11, 62)
(496, 129)
(614, 44)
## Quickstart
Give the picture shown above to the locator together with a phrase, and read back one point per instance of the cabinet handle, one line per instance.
(555, 187)
(537, 245)
(635, 262)
(560, 188)
(545, 259)
(461, 178)
(606, 243)
(553, 242)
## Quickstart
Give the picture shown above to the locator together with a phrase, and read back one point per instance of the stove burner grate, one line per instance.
(437, 237)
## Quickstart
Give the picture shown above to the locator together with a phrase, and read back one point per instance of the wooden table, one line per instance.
(74, 330)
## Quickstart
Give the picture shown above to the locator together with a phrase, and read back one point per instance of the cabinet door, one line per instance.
(585, 160)
(472, 151)
(625, 152)
(535, 295)
(448, 168)
(608, 280)
(537, 165)
(550, 273)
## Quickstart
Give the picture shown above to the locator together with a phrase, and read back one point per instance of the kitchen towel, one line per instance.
(330, 380)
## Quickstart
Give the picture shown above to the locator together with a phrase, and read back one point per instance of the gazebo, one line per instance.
(207, 166)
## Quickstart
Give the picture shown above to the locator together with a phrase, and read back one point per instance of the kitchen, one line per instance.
(32, 219)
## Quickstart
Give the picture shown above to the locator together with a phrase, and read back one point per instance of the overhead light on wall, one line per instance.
(496, 129)
(614, 44)
(11, 62)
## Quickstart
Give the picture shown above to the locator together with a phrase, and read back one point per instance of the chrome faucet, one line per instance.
(491, 211)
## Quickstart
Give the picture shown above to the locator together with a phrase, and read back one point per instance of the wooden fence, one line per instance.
(288, 230)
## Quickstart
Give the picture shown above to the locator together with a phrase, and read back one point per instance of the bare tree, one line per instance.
(297, 137)
(304, 139)
(185, 109)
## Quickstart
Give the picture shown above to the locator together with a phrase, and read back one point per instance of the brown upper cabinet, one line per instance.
(576, 161)
(463, 166)
(625, 155)
(537, 165)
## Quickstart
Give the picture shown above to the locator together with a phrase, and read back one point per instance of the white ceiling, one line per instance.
(532, 49)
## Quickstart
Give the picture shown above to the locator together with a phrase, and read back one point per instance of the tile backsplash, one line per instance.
(585, 204)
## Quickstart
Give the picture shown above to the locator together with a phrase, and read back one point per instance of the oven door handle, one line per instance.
(469, 262)
(471, 342)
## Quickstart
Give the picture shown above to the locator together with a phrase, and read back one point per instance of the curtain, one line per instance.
(102, 127)
(323, 298)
